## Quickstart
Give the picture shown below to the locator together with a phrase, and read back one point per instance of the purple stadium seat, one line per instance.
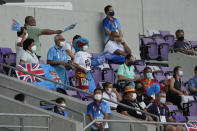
(179, 118)
(193, 109)
(194, 44)
(168, 37)
(100, 85)
(4, 51)
(114, 67)
(160, 78)
(137, 74)
(71, 73)
(164, 33)
(192, 118)
(163, 48)
(10, 59)
(174, 110)
(71, 92)
(84, 96)
(140, 62)
(185, 80)
(97, 75)
(158, 73)
(148, 46)
(167, 70)
(139, 69)
(94, 55)
(108, 75)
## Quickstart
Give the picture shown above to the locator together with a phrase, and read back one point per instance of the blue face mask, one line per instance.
(111, 13)
(149, 75)
(163, 100)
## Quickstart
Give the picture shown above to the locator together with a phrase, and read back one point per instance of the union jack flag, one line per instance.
(31, 68)
(15, 26)
(191, 126)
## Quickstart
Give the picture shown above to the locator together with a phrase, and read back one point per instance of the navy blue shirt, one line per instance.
(182, 45)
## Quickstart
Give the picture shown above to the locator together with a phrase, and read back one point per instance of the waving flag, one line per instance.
(191, 126)
(46, 71)
(99, 60)
(15, 26)
(70, 27)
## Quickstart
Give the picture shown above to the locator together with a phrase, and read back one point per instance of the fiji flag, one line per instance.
(46, 71)
(191, 126)
(15, 26)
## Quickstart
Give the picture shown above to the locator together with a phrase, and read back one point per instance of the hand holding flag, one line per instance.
(70, 27)
(15, 26)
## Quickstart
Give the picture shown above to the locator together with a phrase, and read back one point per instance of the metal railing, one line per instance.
(76, 89)
(21, 125)
(48, 101)
(129, 121)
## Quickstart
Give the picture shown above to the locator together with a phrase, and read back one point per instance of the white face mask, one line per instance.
(180, 73)
(98, 97)
(62, 43)
(109, 90)
(62, 107)
(134, 96)
(33, 48)
(26, 36)
(85, 47)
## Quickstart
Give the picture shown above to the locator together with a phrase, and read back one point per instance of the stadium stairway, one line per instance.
(71, 102)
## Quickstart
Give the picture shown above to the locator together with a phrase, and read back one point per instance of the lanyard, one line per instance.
(95, 106)
(125, 69)
(58, 54)
(32, 55)
(159, 110)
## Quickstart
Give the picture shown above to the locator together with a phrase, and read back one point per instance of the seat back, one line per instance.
(97, 75)
(164, 33)
(108, 75)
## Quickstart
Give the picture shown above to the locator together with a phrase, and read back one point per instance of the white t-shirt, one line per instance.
(83, 59)
(19, 50)
(68, 46)
(29, 57)
(112, 46)
(113, 97)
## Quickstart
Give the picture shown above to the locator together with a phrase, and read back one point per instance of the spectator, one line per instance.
(61, 110)
(98, 109)
(126, 71)
(193, 83)
(129, 99)
(175, 92)
(111, 94)
(34, 32)
(110, 23)
(181, 43)
(160, 109)
(117, 48)
(57, 58)
(28, 56)
(143, 100)
(70, 49)
(151, 87)
(21, 37)
(82, 62)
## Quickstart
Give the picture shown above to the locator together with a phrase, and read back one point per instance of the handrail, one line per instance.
(129, 121)
(22, 126)
(73, 88)
(51, 102)
(179, 50)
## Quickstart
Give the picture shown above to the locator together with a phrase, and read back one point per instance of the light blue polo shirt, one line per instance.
(111, 26)
(56, 54)
(96, 113)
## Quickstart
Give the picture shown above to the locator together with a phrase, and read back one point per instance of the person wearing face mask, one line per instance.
(82, 63)
(129, 99)
(57, 58)
(110, 23)
(28, 56)
(22, 35)
(160, 109)
(193, 83)
(151, 86)
(181, 43)
(98, 109)
(112, 94)
(126, 71)
(175, 92)
(117, 48)
(61, 110)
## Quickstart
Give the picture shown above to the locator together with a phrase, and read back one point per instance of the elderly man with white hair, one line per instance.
(57, 58)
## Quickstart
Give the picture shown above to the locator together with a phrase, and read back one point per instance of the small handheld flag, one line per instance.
(15, 26)
(70, 27)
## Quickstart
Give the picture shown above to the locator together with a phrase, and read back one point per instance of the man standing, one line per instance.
(57, 58)
(110, 23)
(34, 32)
